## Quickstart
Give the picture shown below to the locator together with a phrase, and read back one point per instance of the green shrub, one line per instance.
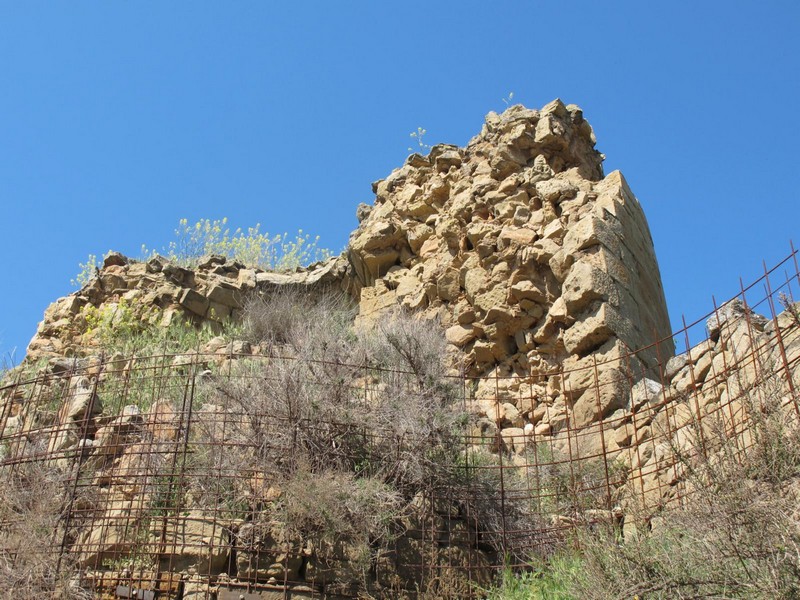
(551, 580)
(251, 247)
(205, 237)
(86, 271)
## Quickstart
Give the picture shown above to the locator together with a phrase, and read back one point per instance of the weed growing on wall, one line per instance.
(86, 271)
(252, 247)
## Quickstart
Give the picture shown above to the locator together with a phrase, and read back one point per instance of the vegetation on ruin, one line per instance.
(736, 536)
(251, 246)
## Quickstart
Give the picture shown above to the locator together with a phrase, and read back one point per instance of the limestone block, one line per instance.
(646, 392)
(543, 428)
(543, 250)
(63, 437)
(593, 329)
(558, 312)
(448, 286)
(246, 278)
(374, 301)
(623, 435)
(338, 562)
(494, 297)
(194, 302)
(196, 542)
(554, 231)
(114, 278)
(514, 439)
(374, 264)
(113, 538)
(261, 554)
(401, 565)
(225, 294)
(163, 421)
(218, 312)
(474, 280)
(589, 231)
(482, 353)
(521, 236)
(524, 340)
(500, 313)
(461, 335)
(418, 234)
(512, 416)
(556, 190)
(529, 290)
(560, 263)
(596, 403)
(585, 284)
(734, 310)
(407, 195)
(702, 367)
(82, 398)
(112, 438)
(674, 365)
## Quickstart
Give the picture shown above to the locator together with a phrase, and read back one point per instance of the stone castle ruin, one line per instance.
(542, 274)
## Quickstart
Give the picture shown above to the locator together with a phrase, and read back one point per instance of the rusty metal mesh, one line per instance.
(128, 524)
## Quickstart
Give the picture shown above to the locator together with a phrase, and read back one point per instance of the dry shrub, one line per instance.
(738, 534)
(291, 318)
(31, 525)
(374, 402)
(342, 429)
(332, 506)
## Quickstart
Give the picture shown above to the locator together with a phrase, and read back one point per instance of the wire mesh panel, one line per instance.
(240, 476)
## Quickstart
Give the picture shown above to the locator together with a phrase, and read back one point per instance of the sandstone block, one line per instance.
(460, 335)
(646, 392)
(593, 330)
(225, 294)
(584, 284)
(194, 302)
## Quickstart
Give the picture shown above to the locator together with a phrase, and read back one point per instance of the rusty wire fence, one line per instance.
(164, 485)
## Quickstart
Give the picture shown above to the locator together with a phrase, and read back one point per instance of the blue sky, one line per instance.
(119, 118)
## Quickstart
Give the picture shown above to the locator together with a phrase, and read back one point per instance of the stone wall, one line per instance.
(540, 270)
(531, 260)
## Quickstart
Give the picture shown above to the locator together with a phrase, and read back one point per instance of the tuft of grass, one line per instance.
(553, 580)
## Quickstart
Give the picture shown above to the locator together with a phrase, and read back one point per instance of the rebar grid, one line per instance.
(136, 442)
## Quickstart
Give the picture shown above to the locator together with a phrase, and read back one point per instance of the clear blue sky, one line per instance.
(119, 118)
